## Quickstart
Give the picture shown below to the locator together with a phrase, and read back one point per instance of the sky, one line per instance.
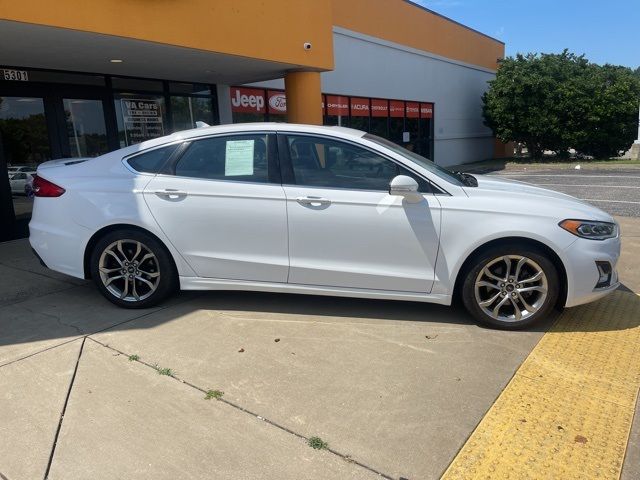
(605, 31)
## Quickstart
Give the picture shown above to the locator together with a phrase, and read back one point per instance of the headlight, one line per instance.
(589, 229)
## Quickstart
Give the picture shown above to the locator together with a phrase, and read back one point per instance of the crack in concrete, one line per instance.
(57, 319)
(33, 354)
(64, 410)
(345, 457)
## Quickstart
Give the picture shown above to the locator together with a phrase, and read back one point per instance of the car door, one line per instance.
(221, 204)
(345, 230)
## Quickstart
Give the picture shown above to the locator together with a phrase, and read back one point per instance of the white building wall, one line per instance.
(371, 67)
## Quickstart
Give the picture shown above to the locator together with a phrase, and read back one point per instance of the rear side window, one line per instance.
(152, 161)
(241, 158)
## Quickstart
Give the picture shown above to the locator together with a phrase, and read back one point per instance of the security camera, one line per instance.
(307, 46)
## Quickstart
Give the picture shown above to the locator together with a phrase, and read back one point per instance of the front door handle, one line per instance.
(313, 201)
(171, 193)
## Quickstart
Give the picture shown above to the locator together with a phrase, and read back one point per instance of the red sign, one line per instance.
(359, 107)
(248, 100)
(413, 109)
(379, 108)
(426, 110)
(277, 102)
(337, 105)
(396, 108)
(324, 105)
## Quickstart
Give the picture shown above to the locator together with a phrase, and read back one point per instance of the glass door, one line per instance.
(85, 126)
(37, 124)
(25, 142)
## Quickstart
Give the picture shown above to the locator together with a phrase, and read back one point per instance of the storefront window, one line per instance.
(86, 127)
(186, 111)
(23, 132)
(380, 117)
(411, 127)
(24, 143)
(396, 121)
(122, 83)
(140, 117)
(189, 88)
(360, 109)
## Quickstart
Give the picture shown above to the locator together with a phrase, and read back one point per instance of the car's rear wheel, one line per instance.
(132, 269)
(510, 287)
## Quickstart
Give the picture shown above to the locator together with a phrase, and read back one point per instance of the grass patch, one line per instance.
(134, 358)
(217, 394)
(164, 371)
(317, 443)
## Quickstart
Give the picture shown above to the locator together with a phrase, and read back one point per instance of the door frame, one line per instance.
(52, 95)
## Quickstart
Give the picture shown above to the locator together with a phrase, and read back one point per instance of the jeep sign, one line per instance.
(248, 100)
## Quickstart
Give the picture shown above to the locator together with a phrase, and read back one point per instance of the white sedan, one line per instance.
(317, 210)
(19, 181)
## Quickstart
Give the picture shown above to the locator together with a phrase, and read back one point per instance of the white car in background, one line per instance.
(317, 210)
(19, 181)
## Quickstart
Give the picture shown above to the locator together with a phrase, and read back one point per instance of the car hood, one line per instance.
(531, 199)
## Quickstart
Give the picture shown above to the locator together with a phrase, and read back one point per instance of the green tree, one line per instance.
(609, 120)
(558, 101)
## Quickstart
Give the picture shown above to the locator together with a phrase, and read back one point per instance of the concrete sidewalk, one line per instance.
(91, 391)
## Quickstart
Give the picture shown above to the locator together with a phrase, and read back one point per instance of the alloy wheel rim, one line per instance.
(129, 270)
(511, 288)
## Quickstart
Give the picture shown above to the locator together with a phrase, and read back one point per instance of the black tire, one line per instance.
(471, 298)
(158, 270)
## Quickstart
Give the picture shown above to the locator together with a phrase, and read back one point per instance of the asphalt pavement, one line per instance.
(614, 191)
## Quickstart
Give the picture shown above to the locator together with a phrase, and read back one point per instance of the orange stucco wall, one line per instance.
(401, 22)
(270, 30)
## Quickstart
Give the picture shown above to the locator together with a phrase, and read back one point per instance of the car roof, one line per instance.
(193, 133)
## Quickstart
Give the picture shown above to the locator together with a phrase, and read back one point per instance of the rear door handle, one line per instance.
(171, 193)
(313, 201)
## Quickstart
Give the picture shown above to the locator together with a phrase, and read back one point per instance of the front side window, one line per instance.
(417, 159)
(241, 158)
(323, 162)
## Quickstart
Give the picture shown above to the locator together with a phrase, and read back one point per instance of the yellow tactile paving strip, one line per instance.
(568, 410)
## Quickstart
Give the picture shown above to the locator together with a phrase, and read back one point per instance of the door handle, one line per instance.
(171, 193)
(313, 201)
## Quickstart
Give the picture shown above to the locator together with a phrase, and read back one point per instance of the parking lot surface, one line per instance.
(616, 191)
(396, 389)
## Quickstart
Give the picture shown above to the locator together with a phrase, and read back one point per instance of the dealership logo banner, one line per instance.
(359, 107)
(277, 102)
(247, 100)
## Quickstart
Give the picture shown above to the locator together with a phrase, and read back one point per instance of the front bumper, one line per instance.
(582, 272)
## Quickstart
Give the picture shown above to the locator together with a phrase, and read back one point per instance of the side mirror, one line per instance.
(404, 186)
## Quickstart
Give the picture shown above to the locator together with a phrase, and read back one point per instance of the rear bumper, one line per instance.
(582, 272)
(58, 248)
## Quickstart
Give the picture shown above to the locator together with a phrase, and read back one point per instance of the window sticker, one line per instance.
(239, 158)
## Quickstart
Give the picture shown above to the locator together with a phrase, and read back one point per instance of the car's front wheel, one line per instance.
(132, 269)
(510, 287)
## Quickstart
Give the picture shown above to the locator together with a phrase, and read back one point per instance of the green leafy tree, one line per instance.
(558, 101)
(609, 120)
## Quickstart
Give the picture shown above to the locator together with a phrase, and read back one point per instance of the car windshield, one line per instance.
(418, 159)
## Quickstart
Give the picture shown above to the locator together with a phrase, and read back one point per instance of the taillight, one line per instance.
(45, 188)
